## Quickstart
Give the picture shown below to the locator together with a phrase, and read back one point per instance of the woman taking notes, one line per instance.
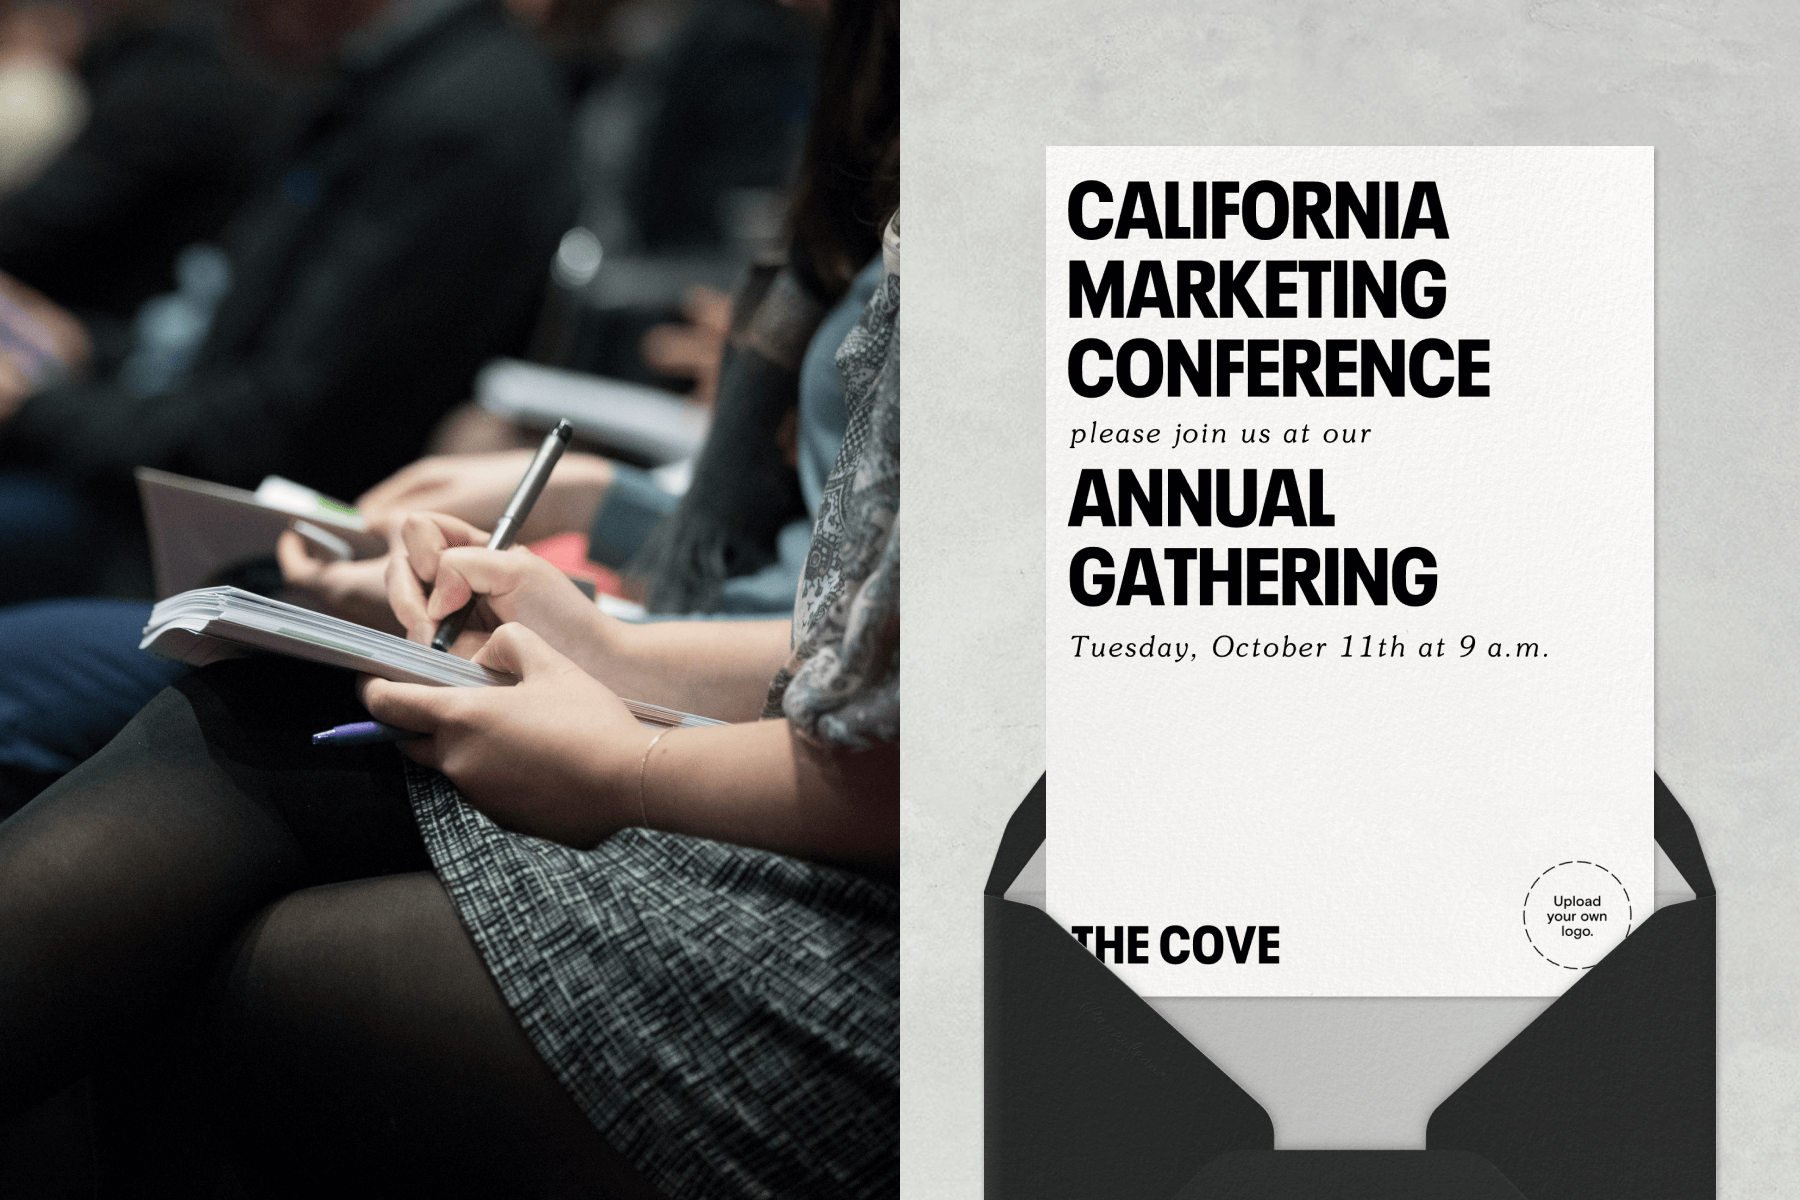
(583, 959)
(540, 951)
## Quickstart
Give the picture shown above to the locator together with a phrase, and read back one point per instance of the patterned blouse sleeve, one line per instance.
(841, 685)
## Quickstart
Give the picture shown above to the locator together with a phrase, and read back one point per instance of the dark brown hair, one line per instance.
(850, 176)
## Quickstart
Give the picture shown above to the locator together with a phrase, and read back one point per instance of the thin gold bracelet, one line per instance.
(643, 768)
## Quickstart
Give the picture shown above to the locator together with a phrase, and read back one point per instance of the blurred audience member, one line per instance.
(404, 243)
(746, 494)
(42, 104)
(685, 154)
(719, 108)
(737, 548)
(176, 138)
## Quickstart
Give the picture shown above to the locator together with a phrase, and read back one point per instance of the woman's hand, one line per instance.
(440, 562)
(718, 669)
(49, 331)
(560, 757)
(476, 487)
(355, 591)
(56, 331)
(556, 756)
(16, 385)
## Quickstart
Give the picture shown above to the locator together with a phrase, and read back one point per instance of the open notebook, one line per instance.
(209, 624)
(200, 530)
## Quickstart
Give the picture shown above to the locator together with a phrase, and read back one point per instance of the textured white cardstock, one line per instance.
(1405, 751)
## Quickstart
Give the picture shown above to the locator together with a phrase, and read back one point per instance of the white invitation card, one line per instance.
(1350, 549)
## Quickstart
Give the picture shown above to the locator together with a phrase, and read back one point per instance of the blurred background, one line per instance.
(286, 236)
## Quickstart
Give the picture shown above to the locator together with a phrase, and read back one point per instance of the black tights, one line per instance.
(240, 938)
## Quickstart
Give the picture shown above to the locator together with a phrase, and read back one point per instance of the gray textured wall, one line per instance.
(1714, 86)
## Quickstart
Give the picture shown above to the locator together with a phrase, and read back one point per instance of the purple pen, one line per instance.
(362, 733)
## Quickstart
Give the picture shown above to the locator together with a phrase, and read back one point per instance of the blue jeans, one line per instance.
(70, 678)
(47, 538)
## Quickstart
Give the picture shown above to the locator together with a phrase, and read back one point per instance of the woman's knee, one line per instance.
(360, 1037)
(347, 961)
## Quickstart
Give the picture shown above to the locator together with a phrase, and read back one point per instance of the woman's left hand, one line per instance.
(354, 590)
(556, 756)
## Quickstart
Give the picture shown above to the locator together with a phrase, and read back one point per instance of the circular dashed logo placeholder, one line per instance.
(1575, 912)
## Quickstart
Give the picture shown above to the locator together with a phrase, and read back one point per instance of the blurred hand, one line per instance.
(476, 487)
(693, 350)
(555, 757)
(56, 32)
(440, 561)
(355, 591)
(49, 330)
(65, 336)
(471, 429)
(15, 386)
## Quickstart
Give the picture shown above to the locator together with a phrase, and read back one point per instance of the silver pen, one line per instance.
(517, 509)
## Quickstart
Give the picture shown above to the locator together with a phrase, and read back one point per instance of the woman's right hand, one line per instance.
(440, 561)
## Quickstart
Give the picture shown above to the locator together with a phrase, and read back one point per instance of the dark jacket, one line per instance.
(406, 242)
(729, 112)
(174, 143)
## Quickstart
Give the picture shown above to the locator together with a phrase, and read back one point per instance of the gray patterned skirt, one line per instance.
(728, 1019)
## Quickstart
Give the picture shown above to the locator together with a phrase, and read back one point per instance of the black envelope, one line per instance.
(1609, 1094)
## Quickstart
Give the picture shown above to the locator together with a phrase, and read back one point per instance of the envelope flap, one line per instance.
(1089, 1093)
(1675, 834)
(1024, 834)
(1611, 1092)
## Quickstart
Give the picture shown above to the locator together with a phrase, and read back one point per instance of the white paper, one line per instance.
(646, 421)
(209, 624)
(1411, 825)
